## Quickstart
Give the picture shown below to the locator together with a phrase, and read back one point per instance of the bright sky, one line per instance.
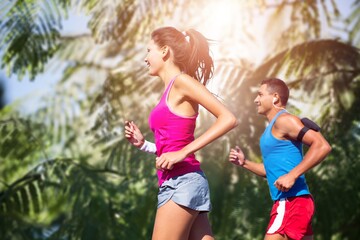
(45, 82)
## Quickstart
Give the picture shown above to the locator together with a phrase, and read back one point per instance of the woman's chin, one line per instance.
(152, 73)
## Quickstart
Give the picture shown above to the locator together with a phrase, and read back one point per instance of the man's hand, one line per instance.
(285, 182)
(237, 156)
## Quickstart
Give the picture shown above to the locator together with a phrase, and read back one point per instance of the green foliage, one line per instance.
(67, 172)
(29, 34)
(354, 21)
(84, 193)
(240, 200)
(334, 187)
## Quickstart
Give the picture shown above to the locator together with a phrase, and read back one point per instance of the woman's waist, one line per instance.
(164, 146)
(181, 168)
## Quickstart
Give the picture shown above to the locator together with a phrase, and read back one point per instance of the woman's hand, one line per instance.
(133, 134)
(167, 160)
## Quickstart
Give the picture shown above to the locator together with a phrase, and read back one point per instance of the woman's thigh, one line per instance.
(173, 222)
(201, 229)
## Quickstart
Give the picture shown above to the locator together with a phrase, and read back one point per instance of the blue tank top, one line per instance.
(280, 157)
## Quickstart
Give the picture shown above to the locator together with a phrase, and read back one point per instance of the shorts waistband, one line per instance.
(289, 199)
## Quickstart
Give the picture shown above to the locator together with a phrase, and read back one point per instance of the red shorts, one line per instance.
(292, 217)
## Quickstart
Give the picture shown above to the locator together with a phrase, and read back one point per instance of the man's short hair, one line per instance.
(275, 85)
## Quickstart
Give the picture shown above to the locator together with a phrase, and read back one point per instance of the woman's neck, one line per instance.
(168, 74)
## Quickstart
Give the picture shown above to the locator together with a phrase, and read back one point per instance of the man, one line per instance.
(284, 164)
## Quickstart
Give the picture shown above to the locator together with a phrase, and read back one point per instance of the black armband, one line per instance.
(308, 124)
(302, 133)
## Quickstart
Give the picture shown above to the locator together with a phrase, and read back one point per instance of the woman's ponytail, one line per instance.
(200, 65)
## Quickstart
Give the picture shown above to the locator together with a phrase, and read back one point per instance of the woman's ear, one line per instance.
(165, 52)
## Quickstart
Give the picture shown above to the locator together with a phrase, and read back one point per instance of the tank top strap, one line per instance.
(170, 85)
(276, 116)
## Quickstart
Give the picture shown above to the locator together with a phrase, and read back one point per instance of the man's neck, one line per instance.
(271, 114)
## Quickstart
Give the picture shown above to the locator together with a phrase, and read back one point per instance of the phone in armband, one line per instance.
(308, 124)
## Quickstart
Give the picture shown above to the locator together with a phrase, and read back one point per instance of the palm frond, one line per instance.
(103, 188)
(29, 33)
(319, 66)
(126, 21)
(354, 23)
(304, 22)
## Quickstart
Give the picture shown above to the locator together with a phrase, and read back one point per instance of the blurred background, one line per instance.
(73, 71)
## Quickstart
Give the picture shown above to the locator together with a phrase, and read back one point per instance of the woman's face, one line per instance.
(154, 58)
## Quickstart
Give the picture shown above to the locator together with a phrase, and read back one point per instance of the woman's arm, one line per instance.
(191, 91)
(199, 94)
(135, 137)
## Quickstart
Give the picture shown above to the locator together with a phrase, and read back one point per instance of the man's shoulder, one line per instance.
(286, 122)
(286, 116)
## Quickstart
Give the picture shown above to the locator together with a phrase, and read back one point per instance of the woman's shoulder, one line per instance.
(189, 87)
(185, 80)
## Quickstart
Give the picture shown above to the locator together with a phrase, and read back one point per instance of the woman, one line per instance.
(183, 63)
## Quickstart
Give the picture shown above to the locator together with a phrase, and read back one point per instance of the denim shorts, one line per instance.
(190, 190)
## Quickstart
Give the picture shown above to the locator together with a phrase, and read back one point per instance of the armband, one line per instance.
(148, 147)
(302, 133)
(308, 124)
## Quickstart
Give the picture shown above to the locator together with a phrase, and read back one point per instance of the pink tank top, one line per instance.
(172, 132)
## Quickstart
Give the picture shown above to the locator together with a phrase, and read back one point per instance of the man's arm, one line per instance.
(237, 157)
(288, 127)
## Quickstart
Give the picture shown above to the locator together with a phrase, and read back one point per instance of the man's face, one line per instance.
(263, 100)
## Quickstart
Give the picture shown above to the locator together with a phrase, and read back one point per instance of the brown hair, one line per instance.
(278, 86)
(190, 50)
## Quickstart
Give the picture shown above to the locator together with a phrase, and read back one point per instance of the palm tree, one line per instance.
(78, 177)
